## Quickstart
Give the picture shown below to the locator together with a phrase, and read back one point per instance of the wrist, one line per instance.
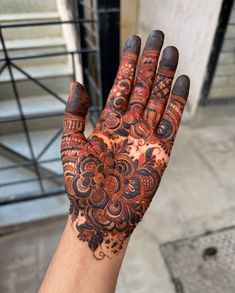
(106, 235)
(98, 244)
(75, 269)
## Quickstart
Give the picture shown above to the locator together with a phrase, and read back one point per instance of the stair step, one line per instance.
(31, 16)
(32, 107)
(19, 48)
(21, 215)
(37, 123)
(40, 43)
(49, 60)
(19, 174)
(40, 138)
(28, 88)
(37, 72)
(23, 180)
(33, 32)
(18, 143)
(57, 78)
(25, 6)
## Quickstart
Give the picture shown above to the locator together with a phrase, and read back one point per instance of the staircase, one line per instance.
(42, 111)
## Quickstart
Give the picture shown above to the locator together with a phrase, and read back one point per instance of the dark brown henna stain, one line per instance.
(165, 129)
(112, 176)
(132, 45)
(78, 101)
(169, 60)
(181, 87)
(155, 41)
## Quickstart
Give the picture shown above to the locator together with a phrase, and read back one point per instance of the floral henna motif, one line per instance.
(112, 176)
(112, 192)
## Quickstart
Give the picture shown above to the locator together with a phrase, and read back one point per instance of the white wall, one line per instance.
(69, 34)
(188, 25)
(129, 19)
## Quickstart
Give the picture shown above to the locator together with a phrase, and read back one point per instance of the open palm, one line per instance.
(112, 176)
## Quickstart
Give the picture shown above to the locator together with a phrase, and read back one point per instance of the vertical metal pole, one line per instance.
(96, 96)
(98, 58)
(25, 126)
(73, 65)
(109, 39)
(81, 31)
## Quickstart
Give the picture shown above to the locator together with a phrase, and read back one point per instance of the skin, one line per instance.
(112, 176)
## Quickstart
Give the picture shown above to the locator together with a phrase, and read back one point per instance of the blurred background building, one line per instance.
(44, 45)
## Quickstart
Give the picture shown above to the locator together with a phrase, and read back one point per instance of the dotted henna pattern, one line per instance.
(112, 176)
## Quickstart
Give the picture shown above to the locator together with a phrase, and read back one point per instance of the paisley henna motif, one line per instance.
(112, 176)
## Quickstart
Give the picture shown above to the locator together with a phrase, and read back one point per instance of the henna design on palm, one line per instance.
(112, 176)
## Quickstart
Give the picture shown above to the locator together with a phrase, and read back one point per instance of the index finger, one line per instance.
(123, 83)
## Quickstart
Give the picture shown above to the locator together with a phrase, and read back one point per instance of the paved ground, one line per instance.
(196, 196)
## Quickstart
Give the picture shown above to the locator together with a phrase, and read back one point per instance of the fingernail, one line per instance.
(181, 87)
(133, 44)
(155, 40)
(170, 58)
(78, 101)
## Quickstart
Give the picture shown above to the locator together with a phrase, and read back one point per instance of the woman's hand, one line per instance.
(112, 176)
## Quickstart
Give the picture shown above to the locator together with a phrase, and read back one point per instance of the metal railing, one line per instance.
(87, 31)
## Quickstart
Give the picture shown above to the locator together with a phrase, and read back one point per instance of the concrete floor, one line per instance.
(196, 195)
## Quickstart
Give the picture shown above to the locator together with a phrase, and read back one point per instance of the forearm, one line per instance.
(112, 176)
(73, 267)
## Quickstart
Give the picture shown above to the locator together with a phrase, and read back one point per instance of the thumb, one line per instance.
(76, 109)
(74, 121)
(73, 138)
